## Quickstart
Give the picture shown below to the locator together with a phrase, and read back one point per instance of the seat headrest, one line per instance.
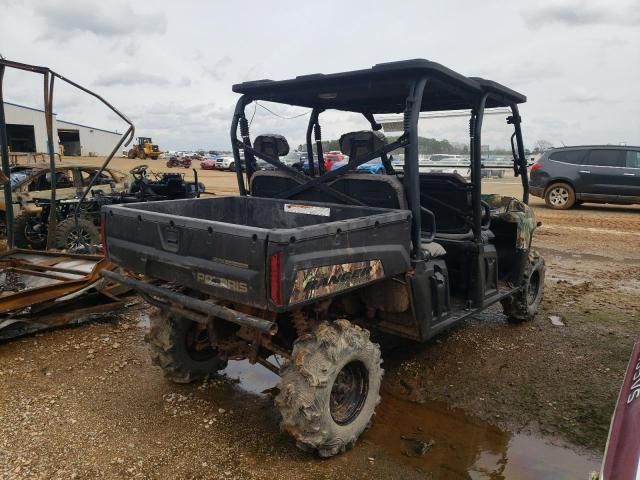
(271, 145)
(357, 144)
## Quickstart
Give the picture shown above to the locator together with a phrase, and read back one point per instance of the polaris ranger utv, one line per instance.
(301, 268)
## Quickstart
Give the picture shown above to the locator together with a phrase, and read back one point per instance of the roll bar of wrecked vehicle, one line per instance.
(407, 141)
(49, 76)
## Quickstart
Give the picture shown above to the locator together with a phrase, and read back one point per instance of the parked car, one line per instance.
(34, 181)
(569, 176)
(294, 159)
(208, 164)
(225, 163)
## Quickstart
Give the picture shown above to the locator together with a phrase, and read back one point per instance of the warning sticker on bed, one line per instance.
(307, 209)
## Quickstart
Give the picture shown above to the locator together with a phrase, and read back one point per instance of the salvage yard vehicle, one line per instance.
(570, 176)
(184, 162)
(34, 181)
(302, 268)
(225, 163)
(145, 148)
(31, 227)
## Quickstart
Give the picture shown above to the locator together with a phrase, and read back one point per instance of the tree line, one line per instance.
(426, 145)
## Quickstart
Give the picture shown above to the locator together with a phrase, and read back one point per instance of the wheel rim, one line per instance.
(533, 288)
(198, 345)
(558, 196)
(78, 237)
(349, 392)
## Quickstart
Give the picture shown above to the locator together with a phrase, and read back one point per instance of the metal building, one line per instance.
(27, 132)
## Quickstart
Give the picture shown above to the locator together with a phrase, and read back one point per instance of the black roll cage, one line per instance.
(408, 141)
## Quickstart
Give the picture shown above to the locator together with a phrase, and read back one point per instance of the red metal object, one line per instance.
(275, 277)
(622, 454)
(332, 157)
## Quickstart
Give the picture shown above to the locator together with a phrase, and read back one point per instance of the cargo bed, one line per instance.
(263, 252)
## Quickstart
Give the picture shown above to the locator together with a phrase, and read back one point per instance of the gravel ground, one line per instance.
(86, 402)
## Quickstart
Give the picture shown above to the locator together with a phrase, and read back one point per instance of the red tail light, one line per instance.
(535, 166)
(103, 238)
(275, 276)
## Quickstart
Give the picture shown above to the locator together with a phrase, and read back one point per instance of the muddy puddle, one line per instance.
(460, 446)
(465, 447)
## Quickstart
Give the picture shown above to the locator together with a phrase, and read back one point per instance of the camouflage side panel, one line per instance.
(513, 210)
(320, 281)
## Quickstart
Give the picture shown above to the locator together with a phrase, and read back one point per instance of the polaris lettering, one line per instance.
(233, 285)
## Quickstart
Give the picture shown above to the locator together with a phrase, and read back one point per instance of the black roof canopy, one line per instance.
(382, 89)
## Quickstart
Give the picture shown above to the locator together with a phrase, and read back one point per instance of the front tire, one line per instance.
(70, 237)
(232, 166)
(560, 196)
(182, 349)
(330, 388)
(523, 306)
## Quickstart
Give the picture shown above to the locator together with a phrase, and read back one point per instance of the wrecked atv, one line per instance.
(301, 268)
(31, 227)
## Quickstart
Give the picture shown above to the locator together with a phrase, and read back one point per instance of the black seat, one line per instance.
(448, 196)
(272, 145)
(382, 191)
(361, 143)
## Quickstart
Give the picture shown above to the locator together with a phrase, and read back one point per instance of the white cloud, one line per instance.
(584, 13)
(130, 76)
(170, 67)
(64, 18)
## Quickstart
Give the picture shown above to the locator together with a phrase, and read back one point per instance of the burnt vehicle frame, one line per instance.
(277, 271)
(78, 222)
(49, 76)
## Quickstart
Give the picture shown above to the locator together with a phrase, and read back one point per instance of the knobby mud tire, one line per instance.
(168, 340)
(305, 398)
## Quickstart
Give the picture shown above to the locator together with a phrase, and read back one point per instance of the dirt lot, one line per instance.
(500, 401)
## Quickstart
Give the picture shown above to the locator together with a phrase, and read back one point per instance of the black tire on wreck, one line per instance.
(70, 235)
(24, 236)
(182, 349)
(523, 306)
(330, 388)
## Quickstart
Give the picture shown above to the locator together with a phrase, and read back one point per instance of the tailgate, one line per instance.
(223, 260)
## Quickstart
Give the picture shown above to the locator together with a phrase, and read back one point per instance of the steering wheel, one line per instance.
(139, 172)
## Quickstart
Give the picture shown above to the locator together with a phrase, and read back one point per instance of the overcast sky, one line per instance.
(169, 65)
